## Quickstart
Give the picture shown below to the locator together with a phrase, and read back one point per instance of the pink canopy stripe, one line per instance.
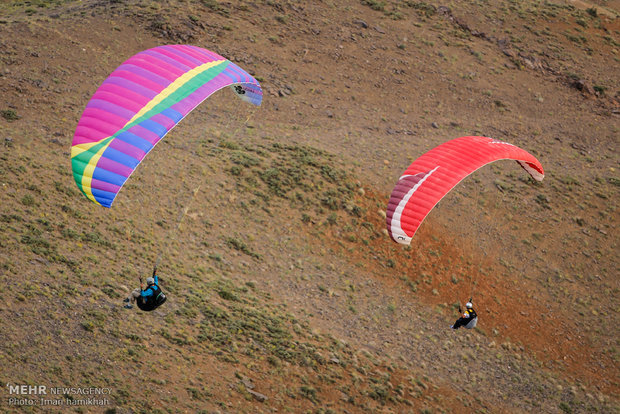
(136, 106)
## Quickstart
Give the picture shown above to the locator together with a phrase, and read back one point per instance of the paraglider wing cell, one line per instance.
(143, 99)
(430, 177)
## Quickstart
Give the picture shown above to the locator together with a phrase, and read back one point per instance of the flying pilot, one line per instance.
(469, 318)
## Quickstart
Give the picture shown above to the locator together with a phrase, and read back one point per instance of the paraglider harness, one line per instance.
(472, 314)
(467, 323)
(153, 301)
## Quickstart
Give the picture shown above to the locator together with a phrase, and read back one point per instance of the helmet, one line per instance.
(468, 305)
(150, 281)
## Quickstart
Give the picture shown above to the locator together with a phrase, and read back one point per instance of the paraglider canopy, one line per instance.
(143, 99)
(430, 177)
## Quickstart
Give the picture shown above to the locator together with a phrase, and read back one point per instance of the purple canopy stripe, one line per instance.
(138, 104)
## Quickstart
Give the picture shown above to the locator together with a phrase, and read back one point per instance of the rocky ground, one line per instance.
(285, 292)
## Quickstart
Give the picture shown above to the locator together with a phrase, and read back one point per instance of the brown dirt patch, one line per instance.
(526, 318)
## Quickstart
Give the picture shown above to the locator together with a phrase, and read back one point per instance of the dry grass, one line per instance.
(281, 280)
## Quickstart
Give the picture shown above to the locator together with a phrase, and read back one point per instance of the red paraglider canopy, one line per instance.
(435, 173)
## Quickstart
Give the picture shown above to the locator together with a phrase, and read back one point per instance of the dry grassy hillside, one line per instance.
(285, 293)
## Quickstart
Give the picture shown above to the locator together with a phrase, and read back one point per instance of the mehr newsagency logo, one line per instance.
(43, 395)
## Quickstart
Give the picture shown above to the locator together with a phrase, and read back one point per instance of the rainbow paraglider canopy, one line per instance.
(143, 99)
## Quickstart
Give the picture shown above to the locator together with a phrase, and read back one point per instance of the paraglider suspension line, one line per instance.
(174, 231)
(186, 208)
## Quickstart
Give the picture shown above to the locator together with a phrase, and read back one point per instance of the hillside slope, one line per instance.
(282, 281)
